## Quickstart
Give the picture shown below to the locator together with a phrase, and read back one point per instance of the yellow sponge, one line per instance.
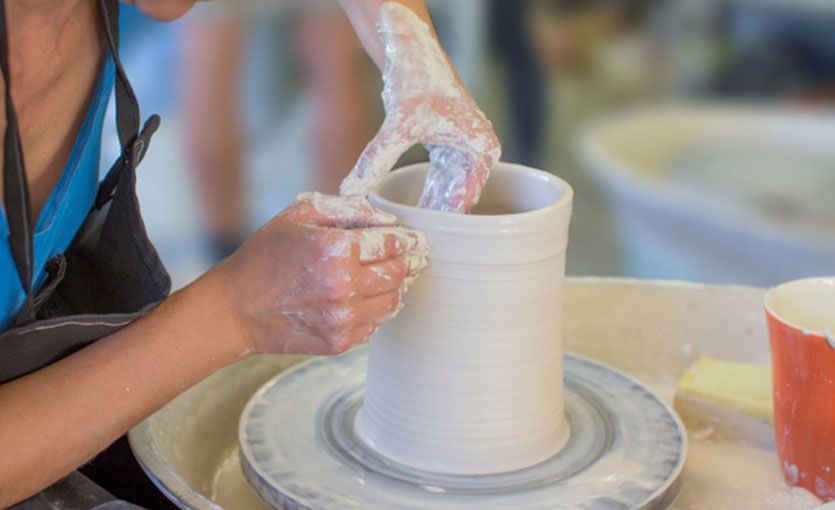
(727, 399)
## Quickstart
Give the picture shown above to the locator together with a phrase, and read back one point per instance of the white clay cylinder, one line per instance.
(467, 379)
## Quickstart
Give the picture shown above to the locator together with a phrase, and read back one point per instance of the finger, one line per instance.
(341, 212)
(382, 277)
(459, 169)
(362, 333)
(384, 243)
(338, 319)
(356, 336)
(415, 264)
(395, 274)
(372, 311)
(376, 161)
(454, 181)
(378, 308)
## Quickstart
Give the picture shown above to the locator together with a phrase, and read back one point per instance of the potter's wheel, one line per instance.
(299, 449)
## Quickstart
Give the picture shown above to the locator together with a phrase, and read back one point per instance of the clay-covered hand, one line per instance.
(426, 103)
(321, 276)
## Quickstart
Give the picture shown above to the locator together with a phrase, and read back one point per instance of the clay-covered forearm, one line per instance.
(364, 16)
(56, 419)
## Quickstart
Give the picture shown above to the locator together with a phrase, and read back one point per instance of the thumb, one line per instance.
(337, 212)
(376, 161)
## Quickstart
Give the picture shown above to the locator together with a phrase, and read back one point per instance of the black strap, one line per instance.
(133, 143)
(127, 113)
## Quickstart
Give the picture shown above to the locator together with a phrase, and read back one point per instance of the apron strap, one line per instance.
(127, 107)
(133, 142)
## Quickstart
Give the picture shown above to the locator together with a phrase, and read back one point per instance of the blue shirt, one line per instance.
(66, 207)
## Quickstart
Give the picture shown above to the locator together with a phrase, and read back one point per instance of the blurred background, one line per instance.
(699, 135)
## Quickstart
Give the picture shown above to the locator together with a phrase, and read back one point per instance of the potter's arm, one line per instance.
(365, 15)
(318, 278)
(426, 103)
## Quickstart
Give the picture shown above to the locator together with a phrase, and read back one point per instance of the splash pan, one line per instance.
(299, 449)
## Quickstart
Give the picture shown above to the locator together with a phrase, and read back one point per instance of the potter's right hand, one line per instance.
(321, 276)
(426, 103)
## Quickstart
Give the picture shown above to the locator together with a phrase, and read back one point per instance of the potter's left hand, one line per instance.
(426, 103)
(320, 277)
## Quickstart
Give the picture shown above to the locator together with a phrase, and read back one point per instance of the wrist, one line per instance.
(221, 327)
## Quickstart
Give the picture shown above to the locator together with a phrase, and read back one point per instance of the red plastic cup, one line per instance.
(801, 329)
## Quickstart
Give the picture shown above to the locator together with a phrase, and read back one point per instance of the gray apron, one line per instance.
(109, 276)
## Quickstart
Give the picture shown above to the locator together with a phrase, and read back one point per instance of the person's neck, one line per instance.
(41, 5)
(40, 31)
(47, 12)
(41, 20)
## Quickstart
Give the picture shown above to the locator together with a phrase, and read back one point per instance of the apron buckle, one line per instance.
(140, 145)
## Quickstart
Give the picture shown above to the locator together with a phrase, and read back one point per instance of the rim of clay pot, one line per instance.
(770, 305)
(493, 224)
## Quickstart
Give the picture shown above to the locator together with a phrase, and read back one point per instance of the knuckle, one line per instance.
(301, 208)
(336, 290)
(398, 272)
(339, 343)
(337, 320)
(395, 300)
(332, 244)
(325, 242)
